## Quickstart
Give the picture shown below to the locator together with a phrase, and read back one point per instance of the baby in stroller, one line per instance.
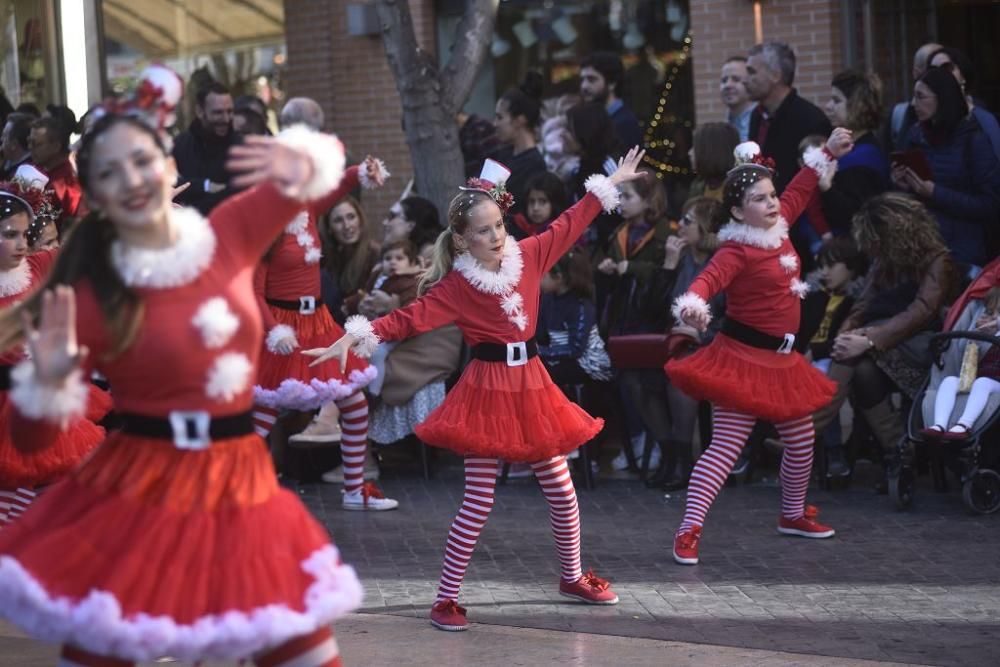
(986, 382)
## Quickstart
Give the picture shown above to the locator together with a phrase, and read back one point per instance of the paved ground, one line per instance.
(921, 587)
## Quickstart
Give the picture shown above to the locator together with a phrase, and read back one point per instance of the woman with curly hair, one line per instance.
(883, 344)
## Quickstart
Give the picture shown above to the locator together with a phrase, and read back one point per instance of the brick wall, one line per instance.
(722, 28)
(350, 78)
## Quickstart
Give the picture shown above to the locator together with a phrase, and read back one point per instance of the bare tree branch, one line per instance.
(472, 39)
(399, 38)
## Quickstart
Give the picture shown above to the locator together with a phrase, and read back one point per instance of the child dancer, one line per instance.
(987, 381)
(174, 537)
(287, 284)
(750, 370)
(21, 473)
(505, 406)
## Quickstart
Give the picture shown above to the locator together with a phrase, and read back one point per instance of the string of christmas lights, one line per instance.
(664, 166)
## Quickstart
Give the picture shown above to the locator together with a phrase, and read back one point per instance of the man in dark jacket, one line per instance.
(782, 119)
(201, 151)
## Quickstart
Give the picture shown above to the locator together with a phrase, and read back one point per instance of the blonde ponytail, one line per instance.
(441, 261)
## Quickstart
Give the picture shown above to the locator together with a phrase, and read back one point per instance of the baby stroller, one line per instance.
(975, 458)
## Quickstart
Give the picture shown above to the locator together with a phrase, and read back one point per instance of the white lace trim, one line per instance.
(15, 280)
(228, 377)
(96, 622)
(789, 262)
(173, 266)
(501, 283)
(299, 228)
(216, 322)
(744, 234)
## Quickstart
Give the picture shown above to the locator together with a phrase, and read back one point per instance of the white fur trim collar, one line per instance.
(174, 266)
(500, 282)
(742, 233)
(15, 280)
(229, 377)
(216, 322)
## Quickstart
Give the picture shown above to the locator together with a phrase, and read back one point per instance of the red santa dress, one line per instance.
(499, 410)
(33, 469)
(287, 284)
(759, 272)
(186, 545)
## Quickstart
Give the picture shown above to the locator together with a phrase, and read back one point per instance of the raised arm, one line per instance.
(370, 174)
(818, 162)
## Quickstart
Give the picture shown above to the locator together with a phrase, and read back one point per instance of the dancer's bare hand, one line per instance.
(53, 345)
(840, 143)
(375, 174)
(259, 159)
(286, 344)
(338, 350)
(699, 319)
(627, 166)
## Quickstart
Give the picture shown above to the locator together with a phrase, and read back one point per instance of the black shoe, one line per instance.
(675, 483)
(836, 464)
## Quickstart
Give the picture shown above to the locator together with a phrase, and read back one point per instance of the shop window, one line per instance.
(28, 73)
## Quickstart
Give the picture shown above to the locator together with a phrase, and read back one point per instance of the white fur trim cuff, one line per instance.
(34, 400)
(359, 327)
(326, 153)
(276, 334)
(690, 301)
(602, 188)
(819, 160)
(366, 180)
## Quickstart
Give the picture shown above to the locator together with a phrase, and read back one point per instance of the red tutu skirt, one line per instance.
(771, 386)
(286, 382)
(147, 550)
(31, 469)
(514, 413)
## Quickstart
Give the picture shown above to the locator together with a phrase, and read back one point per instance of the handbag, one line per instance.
(595, 361)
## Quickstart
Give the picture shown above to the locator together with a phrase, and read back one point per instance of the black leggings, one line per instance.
(870, 383)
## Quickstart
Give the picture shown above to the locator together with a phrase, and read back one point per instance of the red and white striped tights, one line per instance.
(730, 432)
(317, 649)
(354, 438)
(480, 487)
(13, 503)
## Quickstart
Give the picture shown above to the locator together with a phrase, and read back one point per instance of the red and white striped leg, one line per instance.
(264, 420)
(564, 513)
(354, 439)
(796, 465)
(317, 649)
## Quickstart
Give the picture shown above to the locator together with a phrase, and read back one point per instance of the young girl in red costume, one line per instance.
(287, 284)
(174, 537)
(750, 370)
(505, 406)
(21, 473)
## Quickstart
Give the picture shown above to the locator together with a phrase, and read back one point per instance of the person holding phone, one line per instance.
(961, 184)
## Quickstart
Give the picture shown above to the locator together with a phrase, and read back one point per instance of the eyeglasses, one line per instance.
(688, 220)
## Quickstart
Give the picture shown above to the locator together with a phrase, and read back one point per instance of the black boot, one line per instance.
(681, 472)
(667, 461)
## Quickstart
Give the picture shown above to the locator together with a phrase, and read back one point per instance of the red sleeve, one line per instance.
(797, 194)
(248, 222)
(725, 265)
(41, 263)
(259, 291)
(556, 241)
(348, 183)
(817, 218)
(438, 307)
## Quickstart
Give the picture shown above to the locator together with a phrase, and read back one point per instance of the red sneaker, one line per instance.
(590, 589)
(807, 526)
(686, 546)
(448, 616)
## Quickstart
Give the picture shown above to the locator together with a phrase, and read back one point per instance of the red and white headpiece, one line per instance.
(154, 99)
(492, 180)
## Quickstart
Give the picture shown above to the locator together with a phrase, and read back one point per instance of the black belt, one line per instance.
(754, 338)
(306, 305)
(513, 354)
(188, 429)
(5, 378)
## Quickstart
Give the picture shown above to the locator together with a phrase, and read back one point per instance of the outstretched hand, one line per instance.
(627, 167)
(840, 143)
(338, 350)
(259, 159)
(53, 346)
(375, 174)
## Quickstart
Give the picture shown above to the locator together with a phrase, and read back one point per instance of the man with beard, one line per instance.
(601, 78)
(201, 151)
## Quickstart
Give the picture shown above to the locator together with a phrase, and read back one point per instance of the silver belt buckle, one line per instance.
(788, 345)
(517, 354)
(190, 429)
(307, 305)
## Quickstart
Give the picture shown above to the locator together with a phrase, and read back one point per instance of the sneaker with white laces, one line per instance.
(368, 498)
(805, 526)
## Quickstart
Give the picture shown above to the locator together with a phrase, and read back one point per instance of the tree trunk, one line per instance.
(431, 97)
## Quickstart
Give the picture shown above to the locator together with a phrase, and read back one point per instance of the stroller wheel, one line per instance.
(981, 492)
(901, 485)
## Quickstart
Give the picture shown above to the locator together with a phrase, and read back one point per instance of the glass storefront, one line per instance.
(240, 43)
(30, 71)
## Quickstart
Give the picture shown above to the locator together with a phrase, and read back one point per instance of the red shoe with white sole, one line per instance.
(807, 526)
(686, 546)
(590, 589)
(448, 616)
